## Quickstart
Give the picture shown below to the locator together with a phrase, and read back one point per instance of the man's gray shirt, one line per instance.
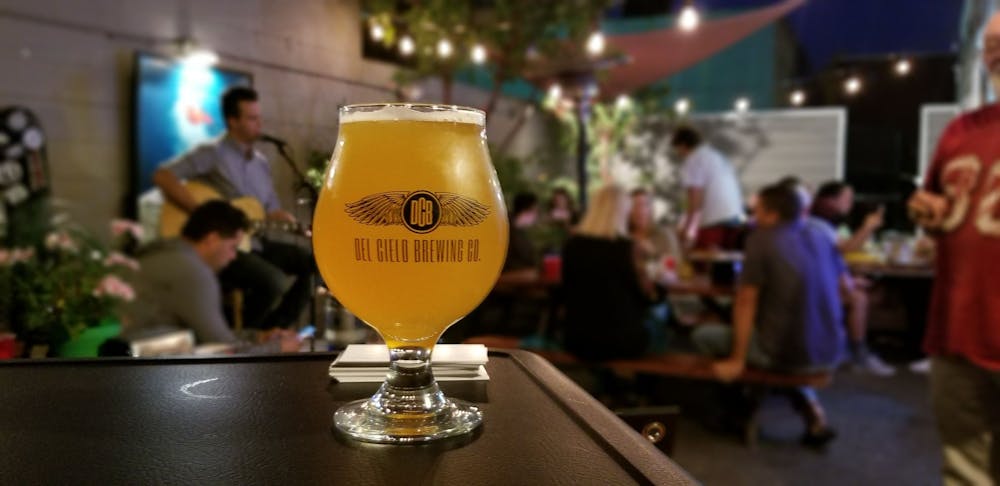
(223, 164)
(799, 312)
(176, 290)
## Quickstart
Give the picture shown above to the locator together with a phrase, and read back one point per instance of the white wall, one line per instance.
(70, 62)
(934, 118)
(767, 145)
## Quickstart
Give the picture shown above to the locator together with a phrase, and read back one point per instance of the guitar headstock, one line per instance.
(285, 226)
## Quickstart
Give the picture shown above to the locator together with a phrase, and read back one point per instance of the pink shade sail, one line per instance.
(660, 53)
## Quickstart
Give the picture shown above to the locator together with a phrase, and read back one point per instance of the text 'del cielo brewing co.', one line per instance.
(420, 212)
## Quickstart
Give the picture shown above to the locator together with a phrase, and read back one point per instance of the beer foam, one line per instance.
(412, 112)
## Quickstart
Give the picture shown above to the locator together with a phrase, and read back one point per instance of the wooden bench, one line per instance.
(680, 366)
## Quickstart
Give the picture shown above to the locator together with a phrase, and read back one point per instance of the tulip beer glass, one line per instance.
(410, 234)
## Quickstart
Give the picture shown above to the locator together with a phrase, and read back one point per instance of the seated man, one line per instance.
(176, 287)
(830, 209)
(787, 313)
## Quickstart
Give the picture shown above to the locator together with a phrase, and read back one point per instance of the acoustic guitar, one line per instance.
(172, 217)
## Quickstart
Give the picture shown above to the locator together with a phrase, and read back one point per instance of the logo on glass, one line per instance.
(420, 211)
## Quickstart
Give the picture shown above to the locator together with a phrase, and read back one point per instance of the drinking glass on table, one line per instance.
(410, 234)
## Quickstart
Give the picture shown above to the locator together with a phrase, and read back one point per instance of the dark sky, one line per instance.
(827, 28)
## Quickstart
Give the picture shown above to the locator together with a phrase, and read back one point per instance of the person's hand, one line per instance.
(666, 277)
(281, 215)
(875, 219)
(927, 209)
(728, 369)
(689, 235)
(287, 339)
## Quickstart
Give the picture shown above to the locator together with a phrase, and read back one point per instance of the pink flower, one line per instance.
(18, 255)
(60, 240)
(5, 256)
(112, 286)
(121, 226)
(116, 258)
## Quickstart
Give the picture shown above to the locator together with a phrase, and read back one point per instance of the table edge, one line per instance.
(601, 424)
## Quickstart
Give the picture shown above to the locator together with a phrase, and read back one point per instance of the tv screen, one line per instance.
(176, 108)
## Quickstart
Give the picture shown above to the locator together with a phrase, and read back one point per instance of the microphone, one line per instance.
(272, 139)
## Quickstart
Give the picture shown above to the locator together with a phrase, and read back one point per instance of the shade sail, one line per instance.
(660, 53)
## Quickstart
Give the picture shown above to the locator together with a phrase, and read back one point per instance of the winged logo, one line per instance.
(419, 211)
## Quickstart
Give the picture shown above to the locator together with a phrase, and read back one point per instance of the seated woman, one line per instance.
(654, 242)
(607, 293)
(559, 218)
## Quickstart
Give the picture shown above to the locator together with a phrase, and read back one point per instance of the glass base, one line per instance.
(366, 420)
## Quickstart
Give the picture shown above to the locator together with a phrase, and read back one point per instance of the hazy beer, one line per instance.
(410, 232)
(408, 285)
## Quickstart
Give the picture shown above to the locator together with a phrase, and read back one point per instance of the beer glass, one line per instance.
(410, 234)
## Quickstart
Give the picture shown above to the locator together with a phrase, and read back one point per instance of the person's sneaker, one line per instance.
(871, 363)
(921, 367)
(819, 438)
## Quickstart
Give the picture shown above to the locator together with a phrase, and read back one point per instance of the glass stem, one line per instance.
(409, 386)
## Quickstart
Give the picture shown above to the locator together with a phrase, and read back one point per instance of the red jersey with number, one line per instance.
(964, 316)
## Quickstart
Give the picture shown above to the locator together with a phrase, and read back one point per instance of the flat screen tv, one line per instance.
(176, 107)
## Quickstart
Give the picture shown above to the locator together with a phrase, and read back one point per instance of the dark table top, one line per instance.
(924, 271)
(266, 420)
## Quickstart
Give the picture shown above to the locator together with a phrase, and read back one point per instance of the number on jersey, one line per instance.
(959, 178)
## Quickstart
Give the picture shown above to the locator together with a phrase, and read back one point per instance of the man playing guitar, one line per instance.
(233, 167)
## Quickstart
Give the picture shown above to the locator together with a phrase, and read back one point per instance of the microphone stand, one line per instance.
(302, 182)
(311, 202)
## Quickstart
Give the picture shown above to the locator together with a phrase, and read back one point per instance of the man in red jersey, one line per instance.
(960, 206)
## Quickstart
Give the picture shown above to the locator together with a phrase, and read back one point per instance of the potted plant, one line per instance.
(63, 288)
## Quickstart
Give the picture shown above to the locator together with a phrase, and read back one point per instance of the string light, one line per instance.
(444, 48)
(689, 18)
(852, 85)
(742, 105)
(406, 45)
(595, 43)
(797, 98)
(377, 32)
(478, 54)
(682, 106)
(903, 67)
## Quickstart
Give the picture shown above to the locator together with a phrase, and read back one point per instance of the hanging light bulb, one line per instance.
(555, 91)
(682, 106)
(376, 32)
(478, 54)
(595, 44)
(406, 45)
(742, 105)
(623, 102)
(689, 18)
(444, 48)
(903, 67)
(852, 85)
(200, 57)
(797, 98)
